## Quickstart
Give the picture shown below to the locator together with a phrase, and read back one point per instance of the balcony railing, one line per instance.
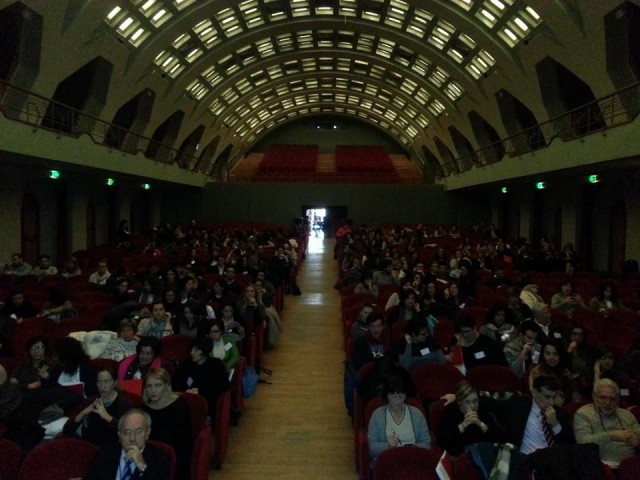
(26, 107)
(605, 113)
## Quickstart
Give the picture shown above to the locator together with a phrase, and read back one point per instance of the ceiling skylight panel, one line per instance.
(245, 86)
(182, 4)
(254, 102)
(301, 9)
(420, 23)
(421, 65)
(207, 33)
(464, 4)
(197, 89)
(304, 39)
(487, 17)
(438, 77)
(377, 72)
(453, 91)
(284, 42)
(287, 103)
(422, 96)
(422, 121)
(274, 72)
(217, 107)
(436, 108)
(265, 48)
(365, 43)
(391, 115)
(385, 48)
(347, 8)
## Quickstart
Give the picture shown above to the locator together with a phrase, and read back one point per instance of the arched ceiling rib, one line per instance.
(217, 51)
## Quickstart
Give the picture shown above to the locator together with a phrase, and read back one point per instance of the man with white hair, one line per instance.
(132, 459)
(548, 329)
(615, 430)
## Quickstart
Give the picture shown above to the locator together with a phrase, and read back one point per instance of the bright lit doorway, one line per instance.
(316, 218)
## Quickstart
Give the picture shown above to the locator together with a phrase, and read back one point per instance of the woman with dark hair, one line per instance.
(396, 424)
(125, 345)
(606, 366)
(73, 366)
(170, 280)
(454, 299)
(171, 303)
(191, 319)
(552, 364)
(30, 374)
(499, 325)
(231, 326)
(607, 299)
(147, 356)
(203, 375)
(224, 346)
(578, 356)
(467, 421)
(566, 300)
(97, 418)
(149, 291)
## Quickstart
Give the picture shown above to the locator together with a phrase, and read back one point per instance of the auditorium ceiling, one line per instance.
(424, 72)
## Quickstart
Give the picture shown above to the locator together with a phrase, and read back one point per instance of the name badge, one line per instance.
(479, 355)
(227, 346)
(189, 381)
(624, 392)
(557, 334)
(425, 351)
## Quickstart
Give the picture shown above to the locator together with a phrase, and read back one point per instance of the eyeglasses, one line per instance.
(138, 432)
(37, 346)
(606, 357)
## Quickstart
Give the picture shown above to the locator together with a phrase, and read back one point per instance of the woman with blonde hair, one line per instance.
(170, 415)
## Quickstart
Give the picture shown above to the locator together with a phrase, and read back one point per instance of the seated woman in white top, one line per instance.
(396, 424)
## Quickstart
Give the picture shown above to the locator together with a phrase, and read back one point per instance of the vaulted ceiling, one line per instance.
(241, 69)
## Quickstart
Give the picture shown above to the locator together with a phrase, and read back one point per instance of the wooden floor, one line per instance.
(297, 428)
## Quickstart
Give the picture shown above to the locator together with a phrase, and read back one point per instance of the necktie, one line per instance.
(127, 472)
(548, 434)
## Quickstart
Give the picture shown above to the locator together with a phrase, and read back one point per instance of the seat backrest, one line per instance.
(167, 450)
(10, 459)
(434, 380)
(494, 378)
(406, 463)
(464, 468)
(45, 460)
(201, 455)
(176, 348)
(198, 409)
(629, 468)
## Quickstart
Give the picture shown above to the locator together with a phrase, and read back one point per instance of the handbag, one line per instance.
(249, 382)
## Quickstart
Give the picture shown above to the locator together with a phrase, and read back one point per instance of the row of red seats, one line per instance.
(290, 158)
(363, 159)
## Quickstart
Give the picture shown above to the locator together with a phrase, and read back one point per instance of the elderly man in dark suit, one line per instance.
(133, 459)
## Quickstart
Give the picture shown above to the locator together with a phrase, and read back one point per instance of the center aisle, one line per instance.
(297, 428)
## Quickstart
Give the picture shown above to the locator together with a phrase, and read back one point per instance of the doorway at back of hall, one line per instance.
(324, 220)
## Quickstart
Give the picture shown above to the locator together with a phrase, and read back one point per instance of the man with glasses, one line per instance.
(615, 430)
(133, 459)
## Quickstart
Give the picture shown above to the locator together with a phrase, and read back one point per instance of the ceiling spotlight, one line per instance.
(54, 174)
(594, 179)
(541, 185)
(146, 186)
(504, 190)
